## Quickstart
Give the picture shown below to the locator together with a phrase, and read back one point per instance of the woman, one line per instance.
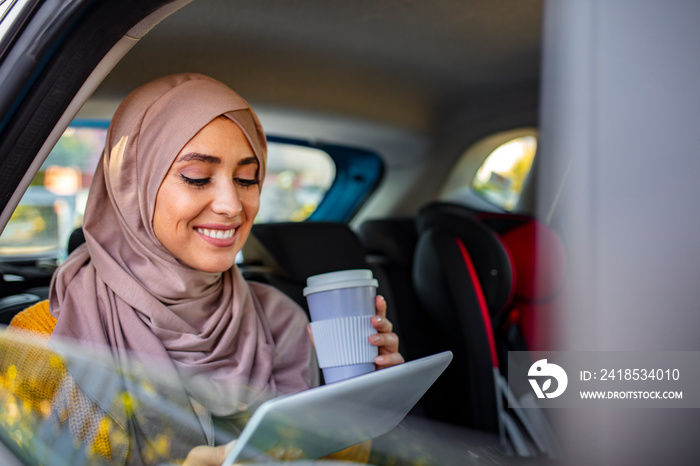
(172, 203)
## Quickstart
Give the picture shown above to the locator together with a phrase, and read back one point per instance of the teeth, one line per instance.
(217, 234)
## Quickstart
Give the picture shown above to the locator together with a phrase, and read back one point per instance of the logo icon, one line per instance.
(542, 369)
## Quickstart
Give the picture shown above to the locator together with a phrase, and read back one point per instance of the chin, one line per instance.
(213, 264)
(214, 267)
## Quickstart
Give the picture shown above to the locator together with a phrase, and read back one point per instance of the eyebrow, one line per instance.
(248, 161)
(190, 156)
(199, 157)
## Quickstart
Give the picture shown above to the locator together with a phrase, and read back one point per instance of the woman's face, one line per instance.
(207, 202)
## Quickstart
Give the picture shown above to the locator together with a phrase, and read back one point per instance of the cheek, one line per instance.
(161, 217)
(251, 204)
(171, 209)
(253, 208)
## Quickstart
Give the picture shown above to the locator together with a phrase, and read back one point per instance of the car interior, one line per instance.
(475, 155)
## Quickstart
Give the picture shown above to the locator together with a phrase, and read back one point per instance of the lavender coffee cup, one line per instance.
(341, 306)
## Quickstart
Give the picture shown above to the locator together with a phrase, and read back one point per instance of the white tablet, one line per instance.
(330, 418)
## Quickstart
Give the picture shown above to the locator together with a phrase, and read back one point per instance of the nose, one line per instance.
(226, 201)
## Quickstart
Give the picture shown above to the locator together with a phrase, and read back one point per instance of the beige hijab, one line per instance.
(124, 290)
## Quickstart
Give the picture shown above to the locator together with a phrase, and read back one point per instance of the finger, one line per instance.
(229, 446)
(204, 455)
(387, 360)
(382, 324)
(388, 342)
(380, 304)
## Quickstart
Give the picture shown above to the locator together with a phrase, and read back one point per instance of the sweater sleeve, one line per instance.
(30, 370)
(34, 382)
(36, 319)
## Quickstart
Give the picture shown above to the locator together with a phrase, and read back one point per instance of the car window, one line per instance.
(494, 170)
(39, 426)
(298, 177)
(296, 181)
(33, 421)
(53, 205)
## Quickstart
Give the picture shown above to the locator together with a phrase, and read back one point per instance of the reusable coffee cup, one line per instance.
(341, 306)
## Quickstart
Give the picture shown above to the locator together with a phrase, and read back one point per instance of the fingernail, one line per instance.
(379, 360)
(229, 447)
(378, 319)
(374, 338)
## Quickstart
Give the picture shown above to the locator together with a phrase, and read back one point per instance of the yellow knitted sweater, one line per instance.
(32, 376)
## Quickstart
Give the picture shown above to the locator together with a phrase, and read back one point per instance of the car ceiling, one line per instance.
(416, 65)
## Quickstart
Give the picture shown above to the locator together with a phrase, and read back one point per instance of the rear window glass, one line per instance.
(502, 176)
(53, 206)
(491, 174)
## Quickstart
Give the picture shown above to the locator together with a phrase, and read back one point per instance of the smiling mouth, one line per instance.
(217, 234)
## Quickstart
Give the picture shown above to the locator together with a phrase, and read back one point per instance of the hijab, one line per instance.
(124, 290)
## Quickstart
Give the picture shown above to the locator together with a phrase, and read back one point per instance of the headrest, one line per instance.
(539, 260)
(394, 238)
(488, 254)
(77, 238)
(537, 254)
(306, 248)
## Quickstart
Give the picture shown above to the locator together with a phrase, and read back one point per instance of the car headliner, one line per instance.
(415, 65)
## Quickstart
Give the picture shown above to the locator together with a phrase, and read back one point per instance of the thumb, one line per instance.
(205, 455)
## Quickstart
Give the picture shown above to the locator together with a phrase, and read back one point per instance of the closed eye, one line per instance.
(246, 183)
(198, 182)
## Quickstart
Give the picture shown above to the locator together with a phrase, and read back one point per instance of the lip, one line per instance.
(218, 242)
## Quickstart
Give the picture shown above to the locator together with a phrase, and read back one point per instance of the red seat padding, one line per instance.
(539, 260)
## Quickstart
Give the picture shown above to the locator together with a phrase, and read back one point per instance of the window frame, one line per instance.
(43, 68)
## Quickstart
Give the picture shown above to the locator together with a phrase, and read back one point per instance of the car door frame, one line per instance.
(50, 65)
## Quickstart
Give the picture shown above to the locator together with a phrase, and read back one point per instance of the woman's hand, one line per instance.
(386, 340)
(203, 455)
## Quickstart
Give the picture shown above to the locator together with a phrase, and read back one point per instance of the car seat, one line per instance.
(462, 288)
(467, 268)
(539, 262)
(285, 254)
(390, 244)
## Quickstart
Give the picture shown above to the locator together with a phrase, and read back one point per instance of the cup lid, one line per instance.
(336, 280)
